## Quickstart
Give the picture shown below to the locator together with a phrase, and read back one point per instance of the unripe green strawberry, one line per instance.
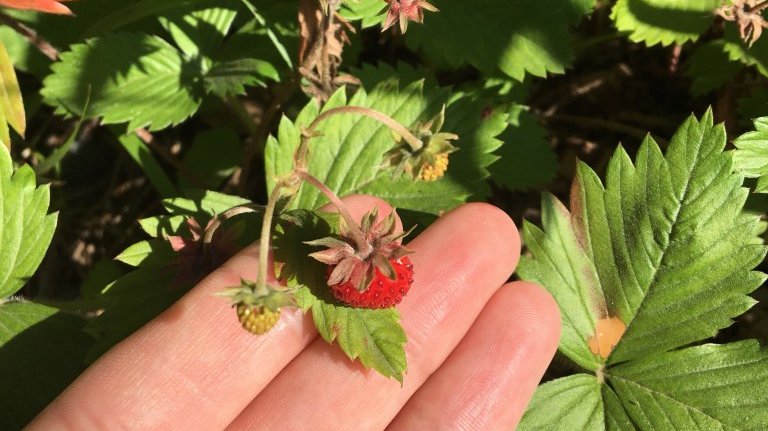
(436, 170)
(257, 319)
(382, 292)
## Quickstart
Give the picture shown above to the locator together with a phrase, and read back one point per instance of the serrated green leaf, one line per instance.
(26, 228)
(41, 351)
(133, 78)
(231, 77)
(349, 155)
(375, 337)
(199, 29)
(664, 21)
(709, 67)
(573, 402)
(526, 158)
(699, 388)
(751, 155)
(664, 247)
(517, 37)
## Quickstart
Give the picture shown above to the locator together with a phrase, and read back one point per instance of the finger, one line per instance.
(459, 262)
(489, 379)
(193, 367)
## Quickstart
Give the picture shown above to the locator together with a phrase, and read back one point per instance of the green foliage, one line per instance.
(737, 50)
(709, 67)
(665, 247)
(214, 156)
(134, 78)
(751, 155)
(664, 21)
(526, 159)
(145, 81)
(25, 227)
(162, 275)
(348, 156)
(519, 37)
(375, 337)
(41, 351)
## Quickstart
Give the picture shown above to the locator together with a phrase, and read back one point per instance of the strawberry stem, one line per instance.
(264, 240)
(301, 153)
(353, 225)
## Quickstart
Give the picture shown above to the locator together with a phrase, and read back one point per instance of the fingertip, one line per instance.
(539, 308)
(485, 218)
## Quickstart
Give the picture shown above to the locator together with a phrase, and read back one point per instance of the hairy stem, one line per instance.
(357, 234)
(266, 233)
(414, 142)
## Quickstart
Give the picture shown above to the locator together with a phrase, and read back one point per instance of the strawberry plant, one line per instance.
(177, 176)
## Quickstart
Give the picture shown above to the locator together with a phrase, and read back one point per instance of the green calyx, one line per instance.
(429, 162)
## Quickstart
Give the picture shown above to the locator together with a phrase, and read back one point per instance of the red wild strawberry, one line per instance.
(381, 292)
(368, 267)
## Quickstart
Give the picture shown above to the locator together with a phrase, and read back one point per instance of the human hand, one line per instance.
(475, 351)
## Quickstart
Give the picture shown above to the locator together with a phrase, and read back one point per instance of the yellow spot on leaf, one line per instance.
(607, 334)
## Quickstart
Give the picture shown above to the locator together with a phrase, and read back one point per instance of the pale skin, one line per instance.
(477, 348)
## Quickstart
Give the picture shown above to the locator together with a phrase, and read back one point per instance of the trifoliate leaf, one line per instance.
(199, 29)
(374, 337)
(41, 351)
(163, 274)
(517, 37)
(526, 158)
(133, 78)
(348, 156)
(702, 388)
(659, 257)
(751, 154)
(662, 249)
(26, 228)
(709, 67)
(664, 21)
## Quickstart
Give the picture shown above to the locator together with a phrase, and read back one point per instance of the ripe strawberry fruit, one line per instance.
(367, 265)
(381, 292)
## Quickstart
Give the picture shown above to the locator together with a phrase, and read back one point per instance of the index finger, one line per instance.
(193, 367)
